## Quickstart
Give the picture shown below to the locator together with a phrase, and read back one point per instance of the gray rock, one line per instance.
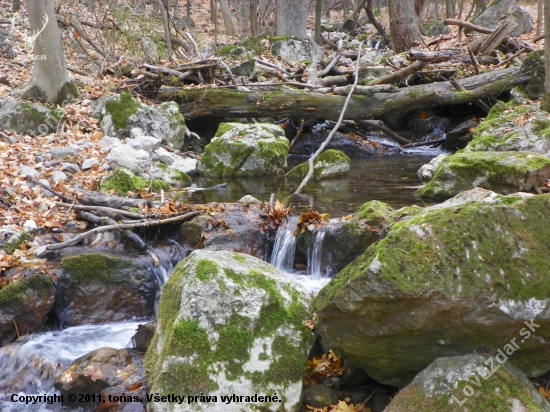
(426, 171)
(87, 164)
(144, 335)
(331, 163)
(70, 168)
(445, 281)
(31, 119)
(472, 382)
(249, 200)
(244, 68)
(137, 161)
(30, 226)
(150, 49)
(28, 171)
(169, 175)
(59, 176)
(435, 28)
(320, 396)
(62, 152)
(165, 156)
(491, 17)
(295, 50)
(502, 172)
(245, 150)
(229, 322)
(108, 142)
(187, 165)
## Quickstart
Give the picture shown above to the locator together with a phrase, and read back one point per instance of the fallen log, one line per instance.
(293, 103)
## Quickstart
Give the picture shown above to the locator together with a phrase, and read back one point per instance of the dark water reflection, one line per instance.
(389, 179)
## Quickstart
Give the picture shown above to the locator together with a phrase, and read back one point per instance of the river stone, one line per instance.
(513, 127)
(331, 163)
(169, 175)
(32, 119)
(350, 145)
(295, 50)
(492, 16)
(229, 323)
(123, 181)
(469, 383)
(25, 303)
(100, 288)
(121, 113)
(448, 281)
(426, 171)
(245, 150)
(94, 372)
(502, 172)
(320, 396)
(124, 155)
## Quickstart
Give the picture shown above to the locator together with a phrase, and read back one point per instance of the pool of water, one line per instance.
(389, 179)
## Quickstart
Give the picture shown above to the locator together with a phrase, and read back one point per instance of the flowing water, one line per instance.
(31, 364)
(389, 179)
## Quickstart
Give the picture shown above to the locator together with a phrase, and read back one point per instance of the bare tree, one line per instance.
(254, 18)
(50, 80)
(404, 25)
(540, 12)
(292, 18)
(227, 21)
(545, 105)
(16, 5)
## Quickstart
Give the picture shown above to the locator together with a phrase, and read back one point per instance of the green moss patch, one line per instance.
(13, 295)
(121, 110)
(97, 267)
(123, 181)
(16, 241)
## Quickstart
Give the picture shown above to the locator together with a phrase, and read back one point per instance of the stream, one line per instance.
(31, 364)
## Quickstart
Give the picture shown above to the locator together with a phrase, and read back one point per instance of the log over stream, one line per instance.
(368, 102)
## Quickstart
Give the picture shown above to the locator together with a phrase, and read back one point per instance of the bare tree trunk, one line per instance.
(16, 5)
(404, 25)
(374, 21)
(245, 16)
(188, 9)
(176, 13)
(545, 105)
(254, 18)
(227, 21)
(164, 14)
(213, 10)
(449, 9)
(50, 80)
(292, 18)
(318, 11)
(540, 12)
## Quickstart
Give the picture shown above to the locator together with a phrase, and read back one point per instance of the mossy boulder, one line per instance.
(455, 278)
(24, 305)
(331, 163)
(29, 118)
(120, 114)
(533, 66)
(509, 9)
(245, 150)
(169, 175)
(99, 288)
(375, 213)
(502, 172)
(16, 241)
(513, 127)
(229, 323)
(469, 383)
(122, 181)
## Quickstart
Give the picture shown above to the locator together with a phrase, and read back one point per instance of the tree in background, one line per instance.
(292, 18)
(50, 80)
(545, 105)
(404, 25)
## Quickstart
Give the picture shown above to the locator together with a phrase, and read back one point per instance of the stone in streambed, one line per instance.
(331, 163)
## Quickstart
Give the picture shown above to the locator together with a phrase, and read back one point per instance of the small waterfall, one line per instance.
(318, 261)
(369, 43)
(377, 45)
(284, 248)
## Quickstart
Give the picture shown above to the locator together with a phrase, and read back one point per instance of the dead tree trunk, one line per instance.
(404, 25)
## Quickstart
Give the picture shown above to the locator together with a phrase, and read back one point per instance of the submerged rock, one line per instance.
(452, 279)
(472, 382)
(502, 172)
(331, 163)
(245, 150)
(229, 324)
(24, 306)
(100, 288)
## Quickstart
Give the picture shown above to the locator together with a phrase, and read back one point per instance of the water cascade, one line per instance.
(284, 248)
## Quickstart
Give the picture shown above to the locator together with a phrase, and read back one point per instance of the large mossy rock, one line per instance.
(500, 9)
(513, 127)
(502, 172)
(100, 288)
(32, 119)
(229, 323)
(331, 163)
(24, 306)
(467, 383)
(245, 150)
(455, 278)
(121, 113)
